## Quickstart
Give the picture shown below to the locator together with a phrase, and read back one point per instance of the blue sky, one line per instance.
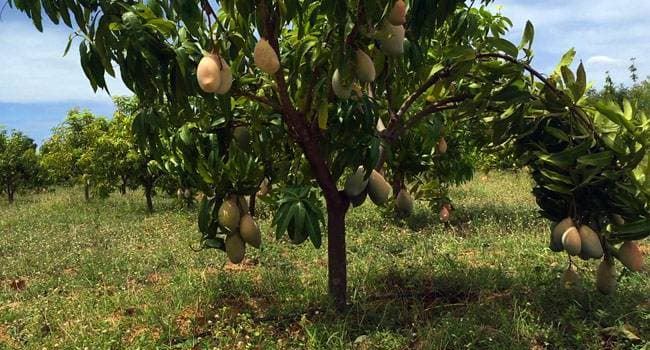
(38, 85)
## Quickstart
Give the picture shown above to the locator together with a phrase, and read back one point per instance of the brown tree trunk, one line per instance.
(251, 204)
(336, 255)
(86, 191)
(123, 186)
(10, 193)
(398, 183)
(337, 206)
(148, 193)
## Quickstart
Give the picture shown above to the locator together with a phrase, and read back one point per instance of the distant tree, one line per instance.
(137, 165)
(633, 70)
(638, 93)
(18, 162)
(67, 154)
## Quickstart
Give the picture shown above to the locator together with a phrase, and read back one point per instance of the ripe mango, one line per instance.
(235, 248)
(249, 231)
(228, 215)
(265, 57)
(378, 188)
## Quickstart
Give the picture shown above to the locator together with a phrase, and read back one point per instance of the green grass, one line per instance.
(106, 275)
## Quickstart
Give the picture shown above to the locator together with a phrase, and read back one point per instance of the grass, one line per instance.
(106, 275)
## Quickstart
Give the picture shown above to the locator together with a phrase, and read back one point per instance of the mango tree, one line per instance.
(18, 162)
(311, 80)
(66, 155)
(137, 166)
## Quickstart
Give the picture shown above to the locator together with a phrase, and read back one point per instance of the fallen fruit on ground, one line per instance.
(445, 213)
(570, 277)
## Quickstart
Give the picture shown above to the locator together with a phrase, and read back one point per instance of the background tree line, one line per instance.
(100, 155)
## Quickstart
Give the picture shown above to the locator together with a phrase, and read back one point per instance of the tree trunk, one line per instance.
(10, 193)
(86, 191)
(148, 193)
(337, 206)
(336, 255)
(123, 186)
(251, 204)
(398, 183)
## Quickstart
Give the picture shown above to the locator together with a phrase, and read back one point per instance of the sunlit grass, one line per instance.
(108, 275)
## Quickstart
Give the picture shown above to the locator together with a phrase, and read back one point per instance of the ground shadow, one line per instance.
(477, 304)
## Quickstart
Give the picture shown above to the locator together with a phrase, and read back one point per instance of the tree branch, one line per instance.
(441, 105)
(296, 122)
(524, 65)
(259, 99)
(421, 90)
(444, 104)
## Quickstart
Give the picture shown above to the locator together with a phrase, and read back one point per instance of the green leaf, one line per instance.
(567, 76)
(638, 227)
(529, 35)
(557, 133)
(566, 60)
(566, 158)
(581, 82)
(204, 215)
(503, 45)
(557, 188)
(600, 160)
(557, 177)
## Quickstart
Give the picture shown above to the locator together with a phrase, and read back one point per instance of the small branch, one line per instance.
(260, 99)
(427, 112)
(421, 90)
(445, 104)
(526, 66)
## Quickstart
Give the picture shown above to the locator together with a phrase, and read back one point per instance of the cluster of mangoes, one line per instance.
(240, 226)
(584, 242)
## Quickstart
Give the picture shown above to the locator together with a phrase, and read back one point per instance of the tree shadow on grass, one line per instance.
(479, 307)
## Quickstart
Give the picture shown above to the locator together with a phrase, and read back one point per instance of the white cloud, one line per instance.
(605, 61)
(605, 33)
(33, 69)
